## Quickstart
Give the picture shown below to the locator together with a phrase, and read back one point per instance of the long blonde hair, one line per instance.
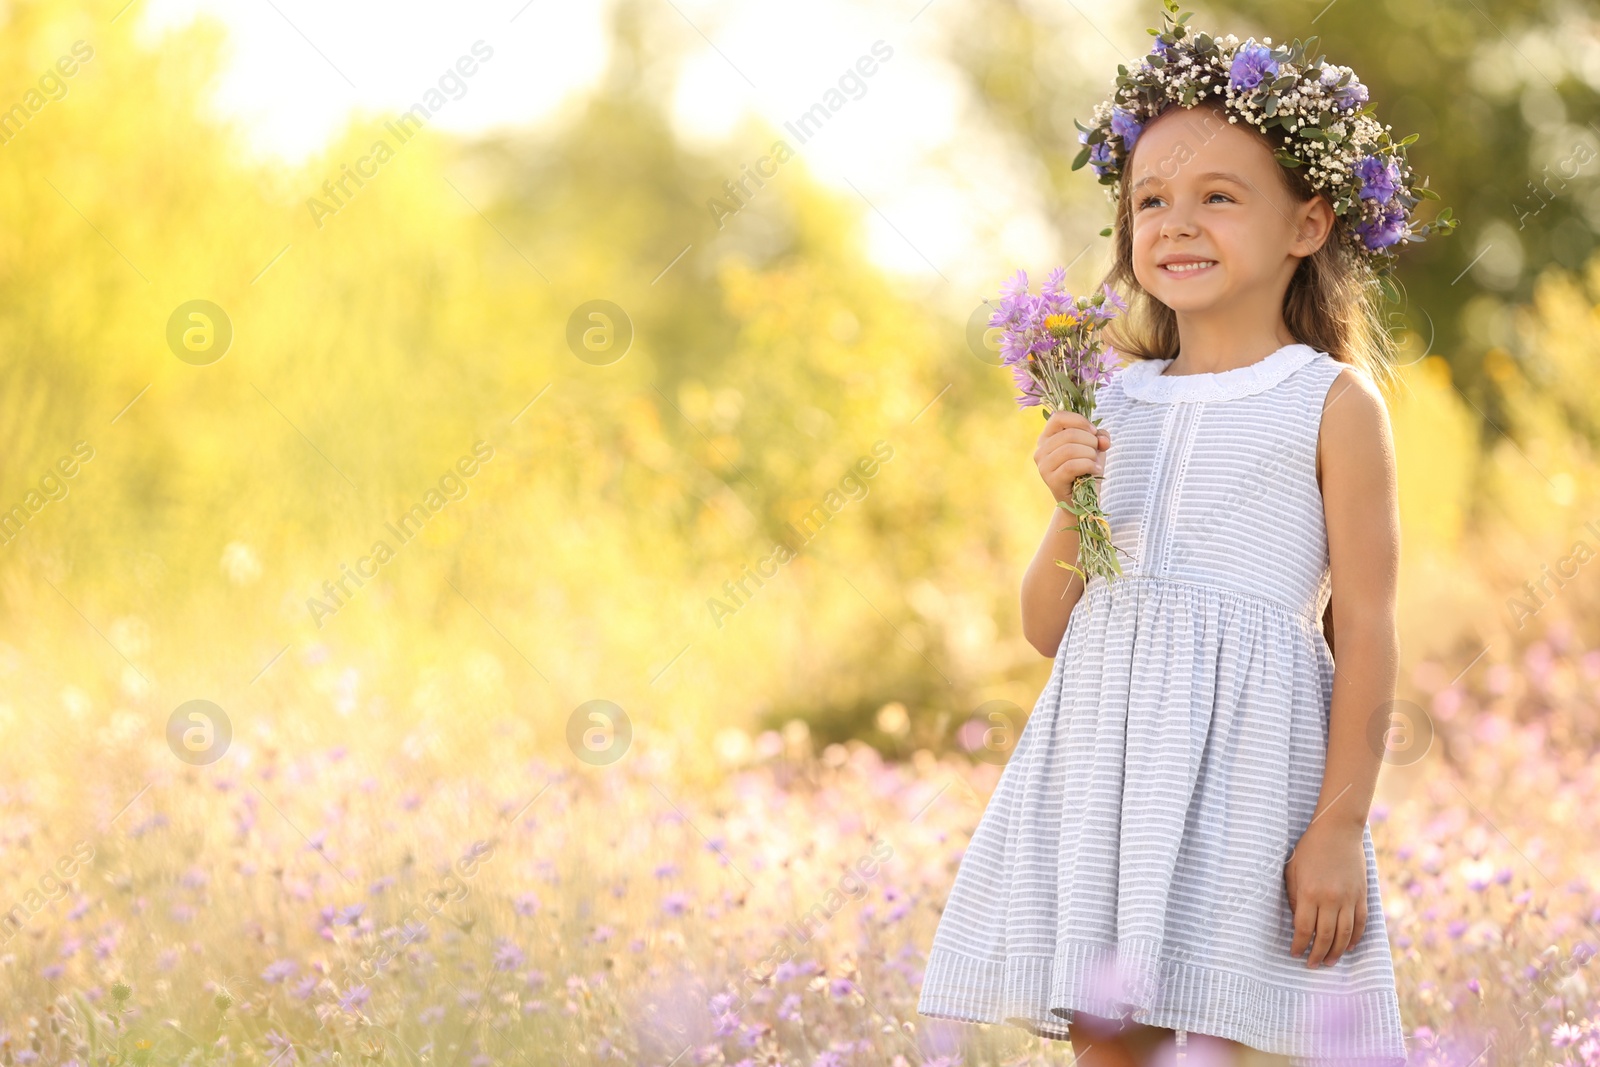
(1333, 303)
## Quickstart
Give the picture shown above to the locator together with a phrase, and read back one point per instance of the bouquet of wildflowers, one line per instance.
(1051, 342)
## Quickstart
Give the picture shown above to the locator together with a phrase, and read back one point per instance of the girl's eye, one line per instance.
(1145, 200)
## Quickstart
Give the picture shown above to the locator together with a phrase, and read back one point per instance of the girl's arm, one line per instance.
(1069, 446)
(1327, 873)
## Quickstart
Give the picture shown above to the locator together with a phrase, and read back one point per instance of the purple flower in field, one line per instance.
(666, 870)
(1379, 177)
(1125, 126)
(508, 957)
(26, 1055)
(1457, 928)
(525, 904)
(430, 1015)
(278, 971)
(725, 1024)
(789, 1010)
(194, 878)
(675, 903)
(1252, 64)
(354, 997)
(1564, 1035)
(602, 933)
(377, 888)
(828, 1058)
(840, 988)
(348, 916)
(305, 987)
(79, 906)
(54, 971)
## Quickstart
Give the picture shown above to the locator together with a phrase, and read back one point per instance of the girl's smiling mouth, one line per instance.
(1188, 268)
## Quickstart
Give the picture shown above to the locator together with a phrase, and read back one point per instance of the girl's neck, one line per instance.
(1208, 346)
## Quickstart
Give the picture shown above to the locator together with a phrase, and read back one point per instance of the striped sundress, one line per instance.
(1130, 862)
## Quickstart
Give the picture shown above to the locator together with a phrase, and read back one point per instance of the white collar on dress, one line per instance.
(1143, 379)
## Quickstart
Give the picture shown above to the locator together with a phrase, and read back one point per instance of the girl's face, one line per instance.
(1213, 226)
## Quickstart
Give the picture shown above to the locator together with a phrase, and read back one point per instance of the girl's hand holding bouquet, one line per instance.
(1051, 342)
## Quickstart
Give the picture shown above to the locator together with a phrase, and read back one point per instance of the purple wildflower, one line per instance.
(1125, 126)
(279, 970)
(1347, 97)
(354, 997)
(1379, 177)
(675, 903)
(841, 987)
(1384, 230)
(508, 957)
(1252, 64)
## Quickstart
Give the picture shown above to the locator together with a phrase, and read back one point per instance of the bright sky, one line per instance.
(299, 67)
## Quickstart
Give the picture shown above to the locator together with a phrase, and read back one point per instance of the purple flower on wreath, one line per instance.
(1384, 229)
(1125, 126)
(1252, 64)
(1347, 97)
(1100, 160)
(1379, 177)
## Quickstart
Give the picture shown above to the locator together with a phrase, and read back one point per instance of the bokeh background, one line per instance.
(552, 778)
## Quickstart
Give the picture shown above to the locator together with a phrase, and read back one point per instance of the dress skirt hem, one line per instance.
(1039, 994)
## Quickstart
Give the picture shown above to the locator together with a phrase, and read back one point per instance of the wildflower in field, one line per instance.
(279, 971)
(508, 957)
(354, 997)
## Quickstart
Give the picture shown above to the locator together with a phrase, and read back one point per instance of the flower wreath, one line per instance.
(1320, 109)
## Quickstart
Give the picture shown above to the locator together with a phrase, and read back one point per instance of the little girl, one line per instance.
(1177, 851)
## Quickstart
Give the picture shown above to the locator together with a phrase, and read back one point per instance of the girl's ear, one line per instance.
(1315, 220)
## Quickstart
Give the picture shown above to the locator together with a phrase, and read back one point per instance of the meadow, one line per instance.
(506, 613)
